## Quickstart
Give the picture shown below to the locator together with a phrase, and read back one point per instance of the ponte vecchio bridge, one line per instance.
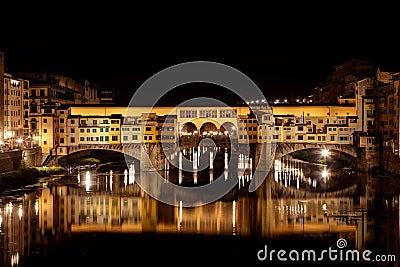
(142, 131)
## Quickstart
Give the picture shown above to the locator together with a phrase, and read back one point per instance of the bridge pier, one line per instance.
(151, 157)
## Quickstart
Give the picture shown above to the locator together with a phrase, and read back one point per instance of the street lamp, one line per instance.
(19, 141)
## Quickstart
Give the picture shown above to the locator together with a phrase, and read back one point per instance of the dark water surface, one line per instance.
(105, 219)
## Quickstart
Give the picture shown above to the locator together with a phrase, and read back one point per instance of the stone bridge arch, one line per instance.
(135, 150)
(283, 149)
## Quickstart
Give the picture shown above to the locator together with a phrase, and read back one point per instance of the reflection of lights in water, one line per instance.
(87, 181)
(132, 173)
(111, 180)
(195, 177)
(211, 176)
(211, 160)
(20, 211)
(9, 208)
(125, 177)
(79, 177)
(180, 176)
(180, 211)
(37, 206)
(226, 159)
(234, 216)
(180, 160)
(195, 161)
(324, 174)
(198, 157)
(241, 180)
(226, 175)
(15, 259)
(1, 221)
(240, 161)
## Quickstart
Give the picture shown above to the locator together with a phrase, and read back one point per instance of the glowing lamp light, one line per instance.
(9, 134)
(325, 152)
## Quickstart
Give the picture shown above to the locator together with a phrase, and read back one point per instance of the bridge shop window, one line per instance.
(227, 113)
(208, 113)
(299, 137)
(188, 113)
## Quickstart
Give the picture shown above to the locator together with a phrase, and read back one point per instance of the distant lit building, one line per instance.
(340, 86)
(314, 124)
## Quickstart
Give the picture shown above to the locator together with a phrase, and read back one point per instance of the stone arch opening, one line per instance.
(104, 155)
(208, 128)
(189, 128)
(228, 128)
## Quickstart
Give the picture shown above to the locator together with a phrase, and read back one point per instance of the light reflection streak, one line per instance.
(87, 181)
(36, 206)
(20, 211)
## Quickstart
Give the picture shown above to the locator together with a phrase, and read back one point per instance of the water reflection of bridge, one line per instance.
(125, 208)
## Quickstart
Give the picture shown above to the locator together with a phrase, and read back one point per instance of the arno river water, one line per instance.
(103, 218)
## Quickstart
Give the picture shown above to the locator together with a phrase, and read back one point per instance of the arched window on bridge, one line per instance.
(189, 128)
(208, 128)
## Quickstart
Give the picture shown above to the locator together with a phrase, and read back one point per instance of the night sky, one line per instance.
(279, 68)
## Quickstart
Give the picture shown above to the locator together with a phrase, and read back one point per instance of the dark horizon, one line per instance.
(279, 71)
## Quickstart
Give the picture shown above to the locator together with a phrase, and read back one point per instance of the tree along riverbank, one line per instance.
(26, 176)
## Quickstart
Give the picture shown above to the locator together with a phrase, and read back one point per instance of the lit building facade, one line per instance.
(13, 108)
(76, 125)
